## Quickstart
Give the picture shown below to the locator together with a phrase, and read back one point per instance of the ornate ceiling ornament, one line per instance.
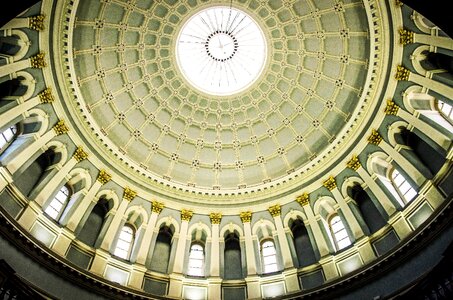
(80, 154)
(330, 183)
(60, 127)
(157, 207)
(36, 22)
(275, 210)
(186, 215)
(303, 199)
(406, 36)
(103, 176)
(46, 96)
(391, 108)
(402, 73)
(246, 216)
(216, 218)
(38, 61)
(129, 194)
(375, 138)
(354, 163)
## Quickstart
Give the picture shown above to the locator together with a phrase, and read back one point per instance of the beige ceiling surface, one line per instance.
(148, 115)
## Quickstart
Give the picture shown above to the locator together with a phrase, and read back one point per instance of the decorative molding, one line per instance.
(129, 194)
(303, 199)
(60, 127)
(375, 138)
(104, 177)
(38, 61)
(80, 154)
(186, 215)
(406, 36)
(391, 108)
(354, 163)
(157, 207)
(330, 183)
(399, 3)
(246, 216)
(402, 73)
(46, 96)
(275, 210)
(36, 22)
(215, 218)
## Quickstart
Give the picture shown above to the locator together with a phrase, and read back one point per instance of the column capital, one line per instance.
(60, 127)
(246, 216)
(104, 177)
(303, 199)
(157, 207)
(391, 108)
(38, 61)
(402, 73)
(354, 163)
(275, 210)
(406, 36)
(129, 194)
(36, 22)
(330, 183)
(375, 138)
(80, 154)
(46, 96)
(186, 215)
(215, 218)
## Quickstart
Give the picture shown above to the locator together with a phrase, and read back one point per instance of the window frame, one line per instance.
(201, 269)
(64, 204)
(269, 268)
(334, 234)
(439, 106)
(7, 142)
(130, 243)
(397, 187)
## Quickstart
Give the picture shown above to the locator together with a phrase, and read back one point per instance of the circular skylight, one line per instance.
(221, 50)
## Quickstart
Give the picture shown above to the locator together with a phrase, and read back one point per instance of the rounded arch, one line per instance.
(169, 222)
(231, 228)
(423, 23)
(394, 130)
(136, 215)
(263, 229)
(325, 207)
(20, 87)
(293, 215)
(349, 183)
(199, 226)
(378, 164)
(110, 196)
(79, 175)
(60, 152)
(417, 57)
(19, 38)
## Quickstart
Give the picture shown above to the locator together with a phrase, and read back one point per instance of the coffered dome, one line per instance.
(147, 119)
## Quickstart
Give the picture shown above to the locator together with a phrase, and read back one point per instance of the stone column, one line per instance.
(146, 242)
(386, 203)
(252, 280)
(63, 173)
(23, 107)
(317, 232)
(36, 62)
(20, 158)
(33, 22)
(216, 218)
(351, 219)
(175, 289)
(409, 37)
(76, 217)
(118, 217)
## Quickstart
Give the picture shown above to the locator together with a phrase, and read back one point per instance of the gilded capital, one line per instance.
(186, 215)
(406, 36)
(129, 194)
(354, 163)
(215, 218)
(302, 199)
(391, 108)
(275, 210)
(330, 183)
(38, 61)
(402, 73)
(157, 207)
(60, 127)
(103, 177)
(46, 96)
(80, 154)
(375, 138)
(246, 216)
(36, 22)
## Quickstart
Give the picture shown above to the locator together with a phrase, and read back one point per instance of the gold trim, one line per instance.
(36, 22)
(275, 210)
(354, 163)
(246, 216)
(80, 154)
(391, 108)
(303, 199)
(129, 194)
(215, 218)
(330, 183)
(60, 127)
(157, 207)
(375, 138)
(38, 61)
(46, 96)
(104, 177)
(186, 215)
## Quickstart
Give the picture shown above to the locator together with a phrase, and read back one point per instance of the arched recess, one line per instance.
(373, 215)
(19, 88)
(77, 181)
(98, 218)
(14, 45)
(232, 255)
(268, 247)
(197, 254)
(35, 176)
(160, 255)
(302, 240)
(428, 159)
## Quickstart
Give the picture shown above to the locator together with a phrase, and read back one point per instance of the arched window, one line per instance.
(160, 259)
(339, 233)
(446, 110)
(269, 256)
(125, 242)
(196, 260)
(406, 192)
(7, 136)
(302, 244)
(58, 204)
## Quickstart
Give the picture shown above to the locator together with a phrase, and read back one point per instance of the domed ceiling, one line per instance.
(147, 119)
